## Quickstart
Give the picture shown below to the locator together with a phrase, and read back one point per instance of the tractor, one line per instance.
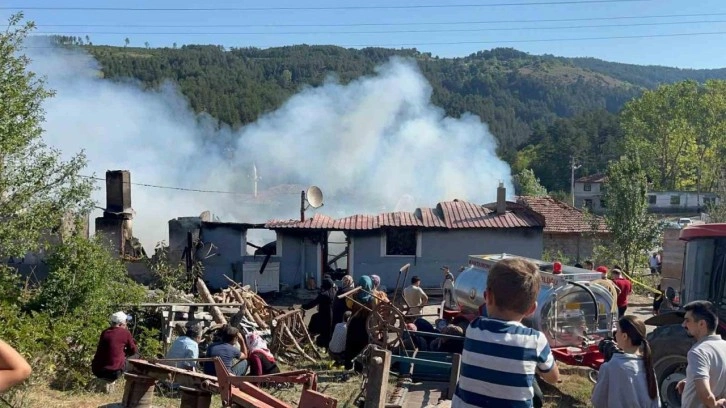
(702, 277)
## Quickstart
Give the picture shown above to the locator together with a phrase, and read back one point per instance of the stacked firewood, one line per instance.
(252, 307)
(285, 331)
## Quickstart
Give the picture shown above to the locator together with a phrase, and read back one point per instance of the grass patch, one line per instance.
(573, 392)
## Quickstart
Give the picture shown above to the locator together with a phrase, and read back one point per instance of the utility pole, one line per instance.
(573, 167)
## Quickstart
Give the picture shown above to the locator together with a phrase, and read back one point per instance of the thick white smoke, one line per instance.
(375, 144)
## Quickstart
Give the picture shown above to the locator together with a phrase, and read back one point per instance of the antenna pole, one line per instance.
(302, 206)
(573, 167)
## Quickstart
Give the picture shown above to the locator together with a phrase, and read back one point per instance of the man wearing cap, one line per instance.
(115, 344)
(705, 383)
(624, 289)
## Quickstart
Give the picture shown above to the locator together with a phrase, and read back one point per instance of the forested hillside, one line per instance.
(542, 109)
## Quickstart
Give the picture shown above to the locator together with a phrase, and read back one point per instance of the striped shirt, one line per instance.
(498, 364)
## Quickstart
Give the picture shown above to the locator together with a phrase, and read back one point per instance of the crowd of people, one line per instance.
(500, 355)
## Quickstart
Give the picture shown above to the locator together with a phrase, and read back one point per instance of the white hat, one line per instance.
(119, 317)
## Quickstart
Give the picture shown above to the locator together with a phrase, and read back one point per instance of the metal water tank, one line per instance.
(569, 305)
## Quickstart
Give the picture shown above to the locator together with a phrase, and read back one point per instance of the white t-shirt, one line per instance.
(414, 296)
(706, 360)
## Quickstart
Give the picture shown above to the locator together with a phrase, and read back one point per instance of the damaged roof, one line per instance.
(593, 178)
(455, 214)
(561, 217)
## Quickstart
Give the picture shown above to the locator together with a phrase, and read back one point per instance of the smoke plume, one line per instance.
(375, 144)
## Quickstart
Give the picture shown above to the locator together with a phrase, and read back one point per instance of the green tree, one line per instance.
(37, 188)
(634, 230)
(527, 184)
(717, 211)
(678, 130)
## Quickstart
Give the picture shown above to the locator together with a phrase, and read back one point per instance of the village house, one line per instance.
(589, 194)
(568, 231)
(427, 239)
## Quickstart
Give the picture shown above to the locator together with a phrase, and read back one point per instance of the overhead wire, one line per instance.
(317, 8)
(195, 190)
(385, 31)
(553, 20)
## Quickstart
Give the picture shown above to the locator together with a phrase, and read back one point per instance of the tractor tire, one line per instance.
(670, 345)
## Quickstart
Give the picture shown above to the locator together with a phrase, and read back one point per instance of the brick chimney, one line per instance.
(118, 192)
(501, 199)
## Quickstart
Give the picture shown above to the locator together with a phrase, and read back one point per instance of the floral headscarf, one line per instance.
(258, 344)
(376, 281)
(347, 282)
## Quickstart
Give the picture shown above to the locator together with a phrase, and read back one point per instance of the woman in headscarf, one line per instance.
(339, 306)
(321, 323)
(381, 295)
(260, 359)
(356, 338)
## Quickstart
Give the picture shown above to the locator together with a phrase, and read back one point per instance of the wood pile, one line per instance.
(284, 330)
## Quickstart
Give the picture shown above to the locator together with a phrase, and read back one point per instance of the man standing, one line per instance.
(654, 264)
(448, 289)
(186, 346)
(116, 343)
(625, 287)
(705, 383)
(415, 296)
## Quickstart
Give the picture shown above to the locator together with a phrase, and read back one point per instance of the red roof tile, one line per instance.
(561, 217)
(447, 215)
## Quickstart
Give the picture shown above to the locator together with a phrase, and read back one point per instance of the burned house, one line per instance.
(427, 238)
(223, 251)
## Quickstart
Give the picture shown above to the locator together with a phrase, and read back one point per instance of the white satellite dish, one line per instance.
(314, 196)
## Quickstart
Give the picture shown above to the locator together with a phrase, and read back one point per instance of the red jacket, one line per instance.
(114, 345)
(626, 287)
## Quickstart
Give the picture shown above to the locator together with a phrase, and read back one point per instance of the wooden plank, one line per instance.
(378, 369)
(454, 377)
(413, 360)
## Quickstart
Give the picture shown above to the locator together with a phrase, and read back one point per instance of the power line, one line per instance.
(173, 188)
(415, 6)
(537, 40)
(461, 30)
(555, 20)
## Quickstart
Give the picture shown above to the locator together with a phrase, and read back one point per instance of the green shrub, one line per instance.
(58, 327)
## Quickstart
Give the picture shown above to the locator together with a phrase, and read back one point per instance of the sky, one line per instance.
(679, 33)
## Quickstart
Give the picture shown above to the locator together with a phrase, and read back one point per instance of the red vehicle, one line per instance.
(703, 277)
(573, 310)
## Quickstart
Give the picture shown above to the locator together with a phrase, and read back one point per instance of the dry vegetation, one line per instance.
(574, 392)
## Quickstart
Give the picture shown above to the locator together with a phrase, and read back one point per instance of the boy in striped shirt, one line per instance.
(501, 355)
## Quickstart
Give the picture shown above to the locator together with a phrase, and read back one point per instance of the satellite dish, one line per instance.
(314, 196)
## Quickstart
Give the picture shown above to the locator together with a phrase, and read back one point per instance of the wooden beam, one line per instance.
(378, 366)
(454, 377)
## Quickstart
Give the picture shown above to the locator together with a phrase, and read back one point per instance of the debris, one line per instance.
(285, 331)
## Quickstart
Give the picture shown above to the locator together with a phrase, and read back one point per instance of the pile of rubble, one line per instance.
(284, 330)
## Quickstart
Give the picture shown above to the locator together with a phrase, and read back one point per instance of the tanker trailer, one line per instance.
(573, 311)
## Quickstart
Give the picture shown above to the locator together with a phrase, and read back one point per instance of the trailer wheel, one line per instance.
(670, 345)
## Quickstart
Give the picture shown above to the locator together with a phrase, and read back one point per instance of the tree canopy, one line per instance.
(37, 188)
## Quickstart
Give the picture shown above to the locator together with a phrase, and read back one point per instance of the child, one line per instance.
(501, 355)
(337, 342)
